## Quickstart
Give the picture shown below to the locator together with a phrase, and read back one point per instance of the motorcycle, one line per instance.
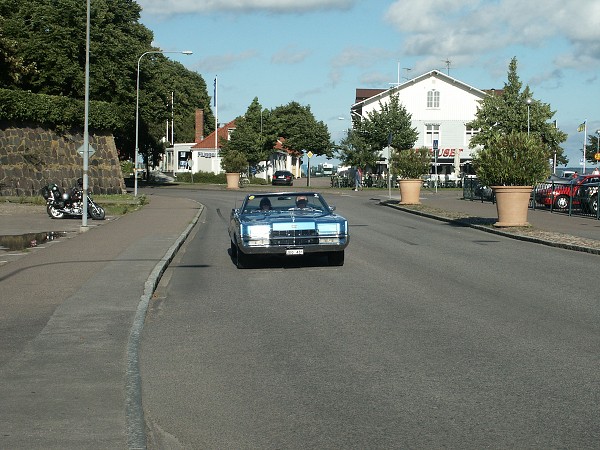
(60, 204)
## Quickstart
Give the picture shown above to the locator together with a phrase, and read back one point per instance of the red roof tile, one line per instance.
(222, 133)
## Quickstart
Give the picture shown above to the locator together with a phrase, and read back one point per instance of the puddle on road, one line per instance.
(16, 242)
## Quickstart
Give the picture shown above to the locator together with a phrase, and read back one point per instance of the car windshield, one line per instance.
(265, 203)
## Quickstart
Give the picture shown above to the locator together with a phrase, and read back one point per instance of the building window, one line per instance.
(432, 132)
(433, 99)
(469, 133)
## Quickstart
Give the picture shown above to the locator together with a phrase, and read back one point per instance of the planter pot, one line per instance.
(233, 180)
(512, 203)
(410, 190)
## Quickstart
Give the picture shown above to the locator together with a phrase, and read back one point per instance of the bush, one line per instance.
(234, 161)
(514, 159)
(58, 112)
(411, 163)
(126, 168)
(202, 177)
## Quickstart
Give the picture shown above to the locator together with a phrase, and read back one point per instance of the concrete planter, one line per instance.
(233, 180)
(410, 190)
(512, 203)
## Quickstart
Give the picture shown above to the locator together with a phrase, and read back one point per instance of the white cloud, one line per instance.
(474, 27)
(361, 57)
(172, 7)
(224, 61)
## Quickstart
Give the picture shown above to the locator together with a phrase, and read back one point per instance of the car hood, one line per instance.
(289, 216)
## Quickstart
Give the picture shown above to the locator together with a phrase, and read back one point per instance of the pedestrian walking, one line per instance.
(358, 179)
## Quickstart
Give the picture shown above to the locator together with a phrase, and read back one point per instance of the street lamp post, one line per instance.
(528, 101)
(137, 113)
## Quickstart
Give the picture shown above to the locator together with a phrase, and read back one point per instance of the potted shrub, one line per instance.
(511, 164)
(233, 162)
(410, 165)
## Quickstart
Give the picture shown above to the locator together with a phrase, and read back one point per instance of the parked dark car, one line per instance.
(560, 194)
(282, 178)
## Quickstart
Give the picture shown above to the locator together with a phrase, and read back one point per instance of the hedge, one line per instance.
(56, 111)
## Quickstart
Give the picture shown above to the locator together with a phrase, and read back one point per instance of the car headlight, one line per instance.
(258, 231)
(328, 229)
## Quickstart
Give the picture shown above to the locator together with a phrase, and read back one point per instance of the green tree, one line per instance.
(591, 148)
(46, 54)
(251, 136)
(391, 123)
(507, 112)
(300, 130)
(393, 119)
(354, 151)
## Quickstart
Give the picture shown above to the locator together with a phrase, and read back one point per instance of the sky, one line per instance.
(318, 52)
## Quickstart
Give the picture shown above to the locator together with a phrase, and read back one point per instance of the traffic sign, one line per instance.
(91, 150)
(309, 154)
(597, 156)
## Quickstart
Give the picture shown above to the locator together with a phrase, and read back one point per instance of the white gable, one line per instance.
(440, 107)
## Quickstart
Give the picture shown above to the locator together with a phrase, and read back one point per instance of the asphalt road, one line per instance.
(431, 335)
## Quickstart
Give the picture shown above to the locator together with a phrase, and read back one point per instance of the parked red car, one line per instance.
(559, 193)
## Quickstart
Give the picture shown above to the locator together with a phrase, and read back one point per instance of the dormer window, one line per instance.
(433, 99)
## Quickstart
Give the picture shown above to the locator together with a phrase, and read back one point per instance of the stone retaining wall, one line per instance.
(32, 157)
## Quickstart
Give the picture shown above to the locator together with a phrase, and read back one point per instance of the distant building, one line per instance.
(441, 107)
(204, 154)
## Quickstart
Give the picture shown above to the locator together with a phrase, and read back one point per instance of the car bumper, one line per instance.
(283, 249)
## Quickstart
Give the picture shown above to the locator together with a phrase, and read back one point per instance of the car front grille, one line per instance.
(294, 237)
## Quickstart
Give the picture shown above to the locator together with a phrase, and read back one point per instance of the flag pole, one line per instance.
(584, 137)
(216, 118)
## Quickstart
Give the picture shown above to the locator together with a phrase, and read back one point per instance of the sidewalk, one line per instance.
(70, 319)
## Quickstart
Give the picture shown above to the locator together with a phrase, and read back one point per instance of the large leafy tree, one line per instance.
(252, 135)
(354, 151)
(300, 130)
(42, 50)
(390, 120)
(389, 124)
(507, 112)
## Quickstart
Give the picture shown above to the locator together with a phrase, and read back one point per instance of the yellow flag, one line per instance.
(581, 127)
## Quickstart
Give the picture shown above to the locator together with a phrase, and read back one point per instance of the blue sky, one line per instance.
(317, 52)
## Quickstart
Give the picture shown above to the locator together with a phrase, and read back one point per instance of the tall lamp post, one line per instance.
(528, 101)
(137, 113)
(86, 134)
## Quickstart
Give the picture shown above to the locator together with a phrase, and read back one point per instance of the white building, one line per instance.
(441, 107)
(204, 154)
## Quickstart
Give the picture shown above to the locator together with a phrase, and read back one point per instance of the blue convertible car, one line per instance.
(287, 223)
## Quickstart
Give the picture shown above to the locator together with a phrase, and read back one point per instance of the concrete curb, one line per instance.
(136, 426)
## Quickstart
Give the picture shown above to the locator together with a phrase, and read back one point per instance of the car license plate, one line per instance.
(294, 251)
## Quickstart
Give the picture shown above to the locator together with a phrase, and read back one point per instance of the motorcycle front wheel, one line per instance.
(96, 211)
(54, 212)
